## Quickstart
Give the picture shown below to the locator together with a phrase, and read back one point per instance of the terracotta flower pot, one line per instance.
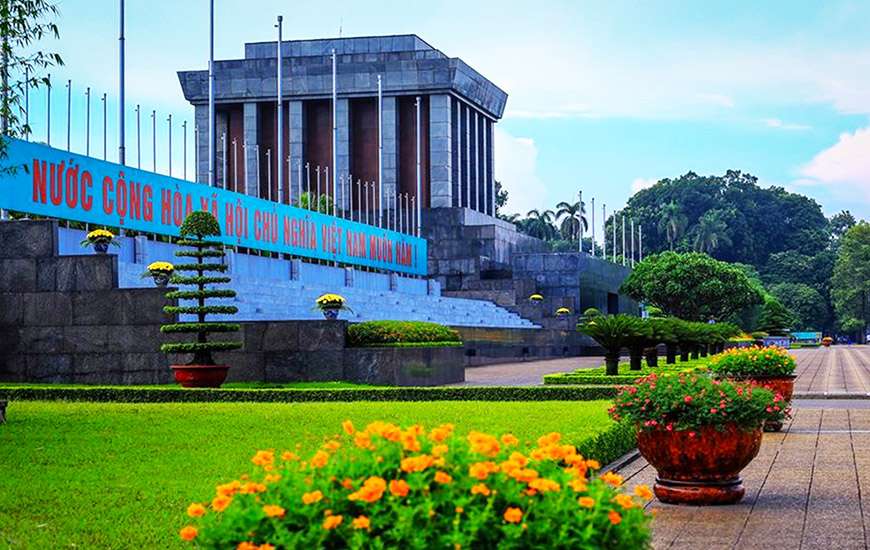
(783, 385)
(200, 376)
(699, 467)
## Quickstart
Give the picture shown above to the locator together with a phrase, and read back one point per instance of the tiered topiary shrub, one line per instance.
(202, 370)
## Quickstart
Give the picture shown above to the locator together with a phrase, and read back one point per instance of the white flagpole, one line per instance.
(580, 227)
(623, 239)
(334, 121)
(640, 242)
(211, 130)
(418, 191)
(122, 154)
(593, 225)
(380, 153)
(632, 241)
(604, 231)
(280, 137)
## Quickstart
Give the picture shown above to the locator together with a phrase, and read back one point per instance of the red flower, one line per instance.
(687, 399)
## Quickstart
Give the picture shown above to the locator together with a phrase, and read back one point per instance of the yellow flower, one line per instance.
(586, 502)
(361, 522)
(331, 522)
(263, 458)
(320, 459)
(347, 426)
(164, 267)
(480, 489)
(443, 477)
(513, 515)
(188, 533)
(612, 479)
(372, 490)
(643, 492)
(274, 511)
(100, 234)
(625, 501)
(312, 497)
(196, 510)
(439, 450)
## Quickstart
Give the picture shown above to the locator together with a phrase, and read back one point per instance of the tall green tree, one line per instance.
(22, 24)
(692, 286)
(775, 318)
(809, 307)
(851, 281)
(711, 232)
(540, 224)
(572, 216)
(672, 223)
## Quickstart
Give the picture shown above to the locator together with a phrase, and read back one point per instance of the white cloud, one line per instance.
(721, 100)
(516, 169)
(642, 183)
(779, 124)
(843, 168)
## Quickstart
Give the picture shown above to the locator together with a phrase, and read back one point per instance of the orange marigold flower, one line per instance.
(593, 464)
(229, 489)
(363, 440)
(410, 442)
(266, 547)
(331, 522)
(372, 490)
(440, 450)
(524, 475)
(550, 439)
(441, 433)
(625, 501)
(481, 470)
(263, 458)
(348, 428)
(480, 489)
(578, 485)
(614, 517)
(312, 497)
(220, 503)
(246, 546)
(513, 515)
(484, 444)
(544, 485)
(272, 478)
(399, 488)
(416, 463)
(361, 522)
(289, 456)
(188, 533)
(320, 459)
(251, 488)
(331, 446)
(274, 511)
(612, 478)
(443, 477)
(347, 483)
(509, 440)
(196, 510)
(459, 509)
(643, 491)
(586, 502)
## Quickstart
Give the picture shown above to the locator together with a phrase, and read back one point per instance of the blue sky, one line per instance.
(606, 97)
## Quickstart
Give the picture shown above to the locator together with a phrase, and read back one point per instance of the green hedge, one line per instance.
(373, 333)
(610, 444)
(173, 394)
(597, 376)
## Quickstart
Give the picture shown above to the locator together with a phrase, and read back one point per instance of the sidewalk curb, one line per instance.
(622, 461)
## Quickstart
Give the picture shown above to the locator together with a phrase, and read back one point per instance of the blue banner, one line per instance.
(49, 182)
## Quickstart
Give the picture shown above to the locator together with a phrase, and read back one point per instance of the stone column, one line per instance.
(342, 156)
(490, 166)
(468, 174)
(251, 126)
(296, 139)
(391, 152)
(440, 152)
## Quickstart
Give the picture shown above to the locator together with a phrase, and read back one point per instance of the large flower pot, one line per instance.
(200, 376)
(101, 248)
(330, 313)
(699, 467)
(783, 385)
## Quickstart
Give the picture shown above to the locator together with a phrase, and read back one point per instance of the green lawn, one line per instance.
(338, 385)
(121, 475)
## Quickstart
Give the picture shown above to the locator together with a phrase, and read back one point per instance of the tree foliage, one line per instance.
(691, 286)
(806, 303)
(851, 280)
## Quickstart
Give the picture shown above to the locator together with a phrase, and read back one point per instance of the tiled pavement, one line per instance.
(528, 373)
(838, 370)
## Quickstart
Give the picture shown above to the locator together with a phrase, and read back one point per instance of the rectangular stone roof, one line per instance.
(351, 45)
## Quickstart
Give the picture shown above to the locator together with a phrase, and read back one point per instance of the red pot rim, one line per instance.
(731, 426)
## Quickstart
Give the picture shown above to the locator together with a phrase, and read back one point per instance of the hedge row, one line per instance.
(180, 395)
(589, 380)
(610, 444)
(372, 333)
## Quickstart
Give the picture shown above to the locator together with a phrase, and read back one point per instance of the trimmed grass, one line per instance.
(597, 375)
(338, 385)
(121, 475)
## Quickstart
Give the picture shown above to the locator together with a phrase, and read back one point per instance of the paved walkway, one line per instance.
(838, 371)
(528, 373)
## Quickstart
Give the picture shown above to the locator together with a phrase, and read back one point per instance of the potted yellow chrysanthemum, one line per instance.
(100, 239)
(161, 272)
(330, 305)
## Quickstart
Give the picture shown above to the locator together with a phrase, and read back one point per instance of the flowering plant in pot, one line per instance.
(770, 367)
(697, 432)
(160, 272)
(827, 341)
(100, 239)
(330, 305)
(386, 486)
(202, 371)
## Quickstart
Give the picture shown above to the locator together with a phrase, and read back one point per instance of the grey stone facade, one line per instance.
(408, 67)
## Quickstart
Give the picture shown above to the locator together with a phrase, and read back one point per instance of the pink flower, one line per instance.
(691, 434)
(713, 411)
(687, 399)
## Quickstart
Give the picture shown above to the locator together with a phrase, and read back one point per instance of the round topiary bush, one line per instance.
(397, 333)
(196, 228)
(389, 487)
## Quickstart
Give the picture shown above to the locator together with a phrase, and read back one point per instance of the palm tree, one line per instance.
(672, 223)
(572, 215)
(540, 224)
(711, 232)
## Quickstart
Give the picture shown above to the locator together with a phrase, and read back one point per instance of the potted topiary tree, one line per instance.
(698, 433)
(660, 332)
(639, 338)
(201, 372)
(612, 333)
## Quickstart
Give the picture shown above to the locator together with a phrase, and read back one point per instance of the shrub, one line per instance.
(385, 333)
(196, 227)
(390, 487)
(691, 401)
(753, 362)
(612, 332)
